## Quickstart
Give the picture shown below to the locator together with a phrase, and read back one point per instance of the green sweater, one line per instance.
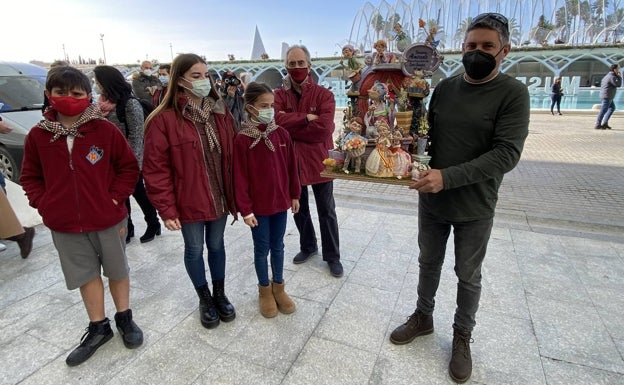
(477, 135)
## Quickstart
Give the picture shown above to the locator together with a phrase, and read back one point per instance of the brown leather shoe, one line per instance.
(417, 324)
(460, 367)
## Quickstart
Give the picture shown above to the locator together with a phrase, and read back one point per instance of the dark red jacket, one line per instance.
(313, 139)
(74, 191)
(266, 181)
(174, 169)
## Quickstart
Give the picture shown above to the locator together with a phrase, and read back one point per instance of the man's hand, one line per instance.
(429, 181)
(311, 117)
(295, 206)
(231, 90)
(4, 128)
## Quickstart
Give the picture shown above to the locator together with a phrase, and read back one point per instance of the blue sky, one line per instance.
(138, 29)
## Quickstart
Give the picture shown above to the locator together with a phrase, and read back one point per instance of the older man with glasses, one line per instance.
(479, 121)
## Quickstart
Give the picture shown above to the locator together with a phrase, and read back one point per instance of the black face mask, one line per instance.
(479, 64)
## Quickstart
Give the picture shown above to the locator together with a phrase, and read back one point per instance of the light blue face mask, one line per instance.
(201, 87)
(265, 116)
(164, 79)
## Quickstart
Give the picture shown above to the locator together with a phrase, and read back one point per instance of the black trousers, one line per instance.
(140, 195)
(326, 208)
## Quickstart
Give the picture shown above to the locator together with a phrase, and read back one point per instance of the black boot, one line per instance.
(417, 324)
(207, 311)
(129, 230)
(98, 333)
(152, 231)
(130, 333)
(24, 241)
(224, 307)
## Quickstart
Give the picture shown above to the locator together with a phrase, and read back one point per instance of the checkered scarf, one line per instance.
(250, 129)
(201, 115)
(91, 113)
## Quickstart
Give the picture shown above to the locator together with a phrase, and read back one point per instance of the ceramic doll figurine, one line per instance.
(380, 162)
(354, 145)
(377, 110)
(381, 56)
(353, 66)
(402, 159)
(402, 40)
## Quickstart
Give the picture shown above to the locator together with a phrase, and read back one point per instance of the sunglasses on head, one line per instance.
(497, 17)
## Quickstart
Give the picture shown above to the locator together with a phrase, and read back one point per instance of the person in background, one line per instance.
(187, 165)
(306, 110)
(608, 86)
(77, 171)
(556, 93)
(473, 145)
(24, 240)
(117, 104)
(163, 76)
(234, 97)
(267, 184)
(144, 83)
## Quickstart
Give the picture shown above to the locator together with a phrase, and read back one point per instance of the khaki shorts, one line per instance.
(84, 256)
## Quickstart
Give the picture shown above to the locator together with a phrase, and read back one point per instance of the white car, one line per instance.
(21, 100)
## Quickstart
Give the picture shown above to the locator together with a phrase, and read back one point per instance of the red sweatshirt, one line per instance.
(265, 181)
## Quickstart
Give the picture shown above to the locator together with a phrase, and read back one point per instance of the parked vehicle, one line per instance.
(21, 100)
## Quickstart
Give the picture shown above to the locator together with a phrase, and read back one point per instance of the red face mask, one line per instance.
(68, 105)
(298, 74)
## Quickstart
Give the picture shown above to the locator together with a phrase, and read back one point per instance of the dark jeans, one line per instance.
(326, 208)
(195, 234)
(269, 236)
(556, 99)
(140, 195)
(2, 182)
(606, 110)
(471, 239)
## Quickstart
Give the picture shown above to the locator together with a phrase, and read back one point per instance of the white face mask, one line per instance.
(147, 72)
(264, 116)
(164, 79)
(201, 87)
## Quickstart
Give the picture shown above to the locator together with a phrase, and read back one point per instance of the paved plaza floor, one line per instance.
(552, 309)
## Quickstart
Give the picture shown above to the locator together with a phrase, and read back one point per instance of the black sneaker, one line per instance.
(335, 268)
(97, 334)
(598, 127)
(417, 324)
(301, 257)
(130, 333)
(460, 367)
(606, 126)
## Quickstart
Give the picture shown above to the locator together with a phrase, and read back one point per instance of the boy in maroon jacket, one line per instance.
(77, 171)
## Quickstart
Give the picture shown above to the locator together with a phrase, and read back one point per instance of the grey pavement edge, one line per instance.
(552, 309)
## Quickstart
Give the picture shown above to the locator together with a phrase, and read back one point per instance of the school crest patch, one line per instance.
(95, 154)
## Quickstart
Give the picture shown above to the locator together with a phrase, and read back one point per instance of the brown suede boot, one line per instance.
(284, 303)
(418, 324)
(266, 301)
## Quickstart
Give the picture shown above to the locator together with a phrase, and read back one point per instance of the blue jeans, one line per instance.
(606, 110)
(2, 182)
(269, 236)
(471, 239)
(194, 235)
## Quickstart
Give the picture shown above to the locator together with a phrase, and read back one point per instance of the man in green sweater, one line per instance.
(479, 121)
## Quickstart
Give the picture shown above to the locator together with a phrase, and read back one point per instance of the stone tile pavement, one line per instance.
(551, 308)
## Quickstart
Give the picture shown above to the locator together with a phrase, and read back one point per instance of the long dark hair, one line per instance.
(112, 84)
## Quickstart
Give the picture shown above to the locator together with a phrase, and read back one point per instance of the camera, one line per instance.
(231, 80)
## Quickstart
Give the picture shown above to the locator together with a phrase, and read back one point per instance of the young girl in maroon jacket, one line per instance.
(267, 184)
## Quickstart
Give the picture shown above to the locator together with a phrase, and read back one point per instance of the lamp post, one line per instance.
(171, 49)
(65, 54)
(103, 50)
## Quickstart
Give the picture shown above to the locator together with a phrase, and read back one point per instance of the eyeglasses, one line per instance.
(497, 17)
